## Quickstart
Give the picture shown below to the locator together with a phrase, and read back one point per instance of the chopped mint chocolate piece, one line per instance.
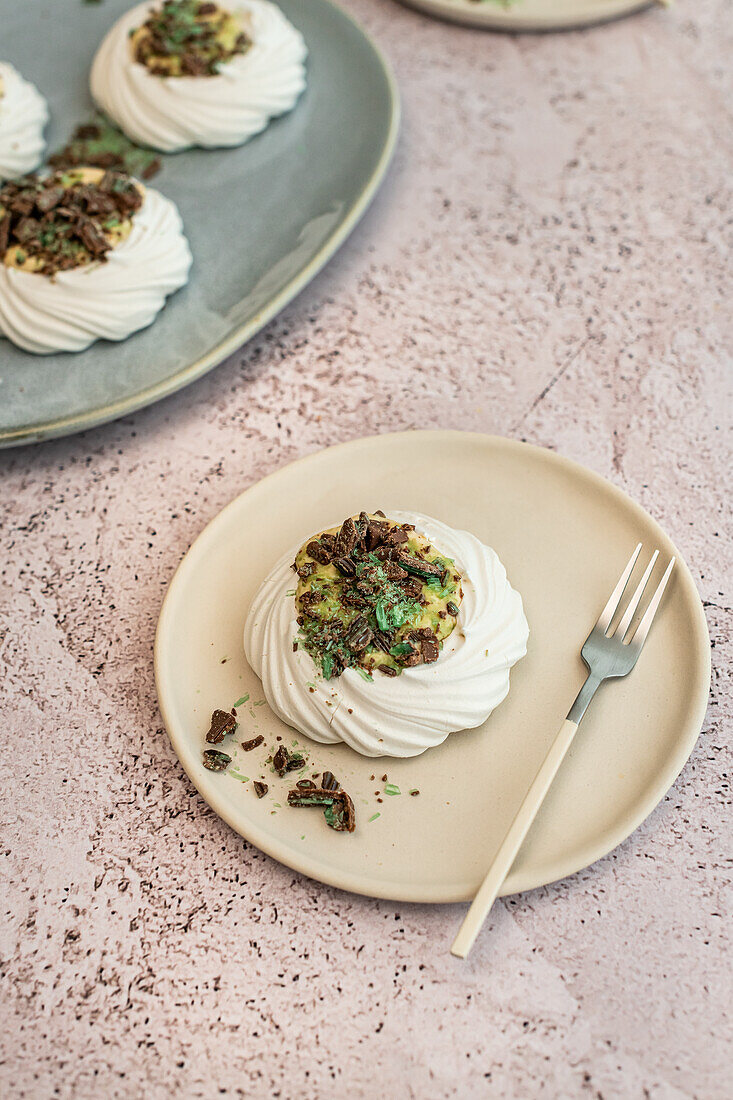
(216, 761)
(222, 723)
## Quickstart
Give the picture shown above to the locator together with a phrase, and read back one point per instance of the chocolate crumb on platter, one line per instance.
(260, 789)
(100, 144)
(253, 743)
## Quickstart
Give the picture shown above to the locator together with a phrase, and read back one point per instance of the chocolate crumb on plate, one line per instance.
(216, 761)
(261, 789)
(254, 743)
(338, 809)
(222, 723)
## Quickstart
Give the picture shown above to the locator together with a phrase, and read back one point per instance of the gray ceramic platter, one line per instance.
(262, 220)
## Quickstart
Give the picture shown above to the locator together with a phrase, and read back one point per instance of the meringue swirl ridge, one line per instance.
(23, 114)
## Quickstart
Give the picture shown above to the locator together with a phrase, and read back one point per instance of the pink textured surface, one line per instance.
(548, 259)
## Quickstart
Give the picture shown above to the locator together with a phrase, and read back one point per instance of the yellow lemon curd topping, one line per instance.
(372, 595)
(188, 38)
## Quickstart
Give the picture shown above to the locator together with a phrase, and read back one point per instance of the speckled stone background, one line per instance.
(548, 259)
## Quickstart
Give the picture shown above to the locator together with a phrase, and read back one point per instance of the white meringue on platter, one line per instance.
(225, 109)
(108, 300)
(398, 716)
(23, 114)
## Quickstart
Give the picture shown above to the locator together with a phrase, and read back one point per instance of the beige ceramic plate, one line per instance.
(564, 535)
(530, 15)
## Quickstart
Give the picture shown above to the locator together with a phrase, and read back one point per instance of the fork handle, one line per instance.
(512, 842)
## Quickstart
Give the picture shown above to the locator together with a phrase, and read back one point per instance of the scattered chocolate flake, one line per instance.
(451, 608)
(222, 723)
(101, 145)
(384, 778)
(413, 793)
(261, 789)
(216, 761)
(329, 782)
(253, 744)
(280, 761)
(338, 809)
(283, 761)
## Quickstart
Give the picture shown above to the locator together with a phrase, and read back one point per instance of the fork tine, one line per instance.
(611, 607)
(635, 600)
(643, 628)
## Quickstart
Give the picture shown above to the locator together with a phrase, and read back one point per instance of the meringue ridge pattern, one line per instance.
(405, 715)
(23, 115)
(171, 113)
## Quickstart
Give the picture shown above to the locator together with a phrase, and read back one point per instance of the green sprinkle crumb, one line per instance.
(391, 788)
(375, 816)
(242, 701)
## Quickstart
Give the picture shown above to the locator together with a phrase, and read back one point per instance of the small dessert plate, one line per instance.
(530, 15)
(564, 534)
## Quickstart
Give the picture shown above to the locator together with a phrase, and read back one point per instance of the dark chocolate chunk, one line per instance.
(341, 816)
(337, 807)
(451, 608)
(261, 789)
(347, 538)
(280, 761)
(318, 552)
(329, 782)
(418, 567)
(359, 635)
(345, 566)
(253, 744)
(222, 723)
(216, 761)
(314, 796)
(396, 537)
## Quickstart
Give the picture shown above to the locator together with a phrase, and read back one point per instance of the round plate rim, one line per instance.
(76, 422)
(515, 882)
(493, 19)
